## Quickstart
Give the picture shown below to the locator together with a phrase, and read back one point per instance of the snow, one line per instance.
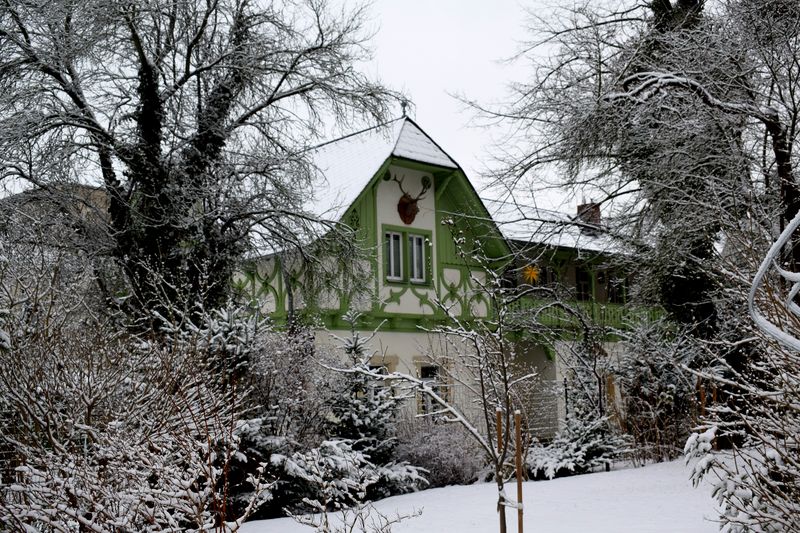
(523, 222)
(654, 499)
(771, 260)
(414, 144)
(348, 164)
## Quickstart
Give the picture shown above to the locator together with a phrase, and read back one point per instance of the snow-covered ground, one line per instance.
(654, 499)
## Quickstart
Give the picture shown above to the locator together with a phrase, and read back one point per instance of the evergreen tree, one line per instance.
(364, 413)
(365, 410)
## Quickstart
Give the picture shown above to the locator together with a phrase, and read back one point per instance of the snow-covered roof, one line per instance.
(529, 224)
(348, 164)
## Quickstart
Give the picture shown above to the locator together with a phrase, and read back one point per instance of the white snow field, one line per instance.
(654, 499)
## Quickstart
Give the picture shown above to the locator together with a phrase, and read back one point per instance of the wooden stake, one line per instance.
(702, 390)
(499, 426)
(518, 435)
(501, 501)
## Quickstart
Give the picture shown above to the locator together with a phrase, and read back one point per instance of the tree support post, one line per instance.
(518, 438)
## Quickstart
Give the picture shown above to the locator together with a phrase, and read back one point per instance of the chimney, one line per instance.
(589, 213)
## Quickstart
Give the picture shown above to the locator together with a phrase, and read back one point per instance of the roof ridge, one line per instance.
(405, 119)
(353, 134)
(425, 133)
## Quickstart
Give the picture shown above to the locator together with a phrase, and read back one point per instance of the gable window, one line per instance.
(407, 255)
(416, 247)
(394, 256)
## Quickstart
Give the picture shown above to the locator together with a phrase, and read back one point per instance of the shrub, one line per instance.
(450, 456)
(582, 446)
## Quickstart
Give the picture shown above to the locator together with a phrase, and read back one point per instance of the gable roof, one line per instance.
(347, 165)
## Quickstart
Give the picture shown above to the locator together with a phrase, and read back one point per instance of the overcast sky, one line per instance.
(431, 49)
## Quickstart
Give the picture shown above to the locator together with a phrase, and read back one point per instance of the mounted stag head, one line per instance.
(407, 206)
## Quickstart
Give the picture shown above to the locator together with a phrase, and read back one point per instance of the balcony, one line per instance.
(618, 316)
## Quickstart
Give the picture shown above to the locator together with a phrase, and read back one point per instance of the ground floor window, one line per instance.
(433, 377)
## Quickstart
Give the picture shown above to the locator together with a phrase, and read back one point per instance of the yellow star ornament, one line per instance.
(531, 273)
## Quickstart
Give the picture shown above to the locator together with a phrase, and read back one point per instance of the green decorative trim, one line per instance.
(452, 193)
(258, 280)
(410, 164)
(424, 298)
(394, 297)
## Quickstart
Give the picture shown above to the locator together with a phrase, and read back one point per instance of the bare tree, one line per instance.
(658, 160)
(685, 117)
(101, 429)
(190, 116)
(756, 482)
(480, 380)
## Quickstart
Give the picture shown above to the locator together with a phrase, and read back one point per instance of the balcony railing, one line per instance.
(555, 315)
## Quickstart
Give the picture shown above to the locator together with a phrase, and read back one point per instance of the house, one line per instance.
(426, 239)
(579, 268)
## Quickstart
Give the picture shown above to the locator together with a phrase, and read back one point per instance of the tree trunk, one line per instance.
(501, 498)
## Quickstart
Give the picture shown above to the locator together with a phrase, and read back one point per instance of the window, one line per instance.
(431, 376)
(617, 289)
(416, 246)
(378, 387)
(406, 255)
(583, 284)
(394, 256)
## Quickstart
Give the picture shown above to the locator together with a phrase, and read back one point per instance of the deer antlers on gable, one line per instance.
(425, 186)
(407, 207)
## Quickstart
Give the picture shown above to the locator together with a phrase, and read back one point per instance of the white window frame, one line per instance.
(416, 245)
(390, 252)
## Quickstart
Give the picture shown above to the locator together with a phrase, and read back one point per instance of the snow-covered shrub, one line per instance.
(584, 444)
(658, 394)
(361, 518)
(5, 338)
(291, 389)
(287, 412)
(445, 451)
(757, 481)
(364, 413)
(102, 428)
(299, 407)
(108, 431)
(757, 487)
(589, 439)
(330, 476)
(335, 479)
(333, 476)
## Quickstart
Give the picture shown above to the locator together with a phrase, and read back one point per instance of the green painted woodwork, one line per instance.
(609, 315)
(423, 298)
(441, 183)
(394, 296)
(261, 279)
(469, 227)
